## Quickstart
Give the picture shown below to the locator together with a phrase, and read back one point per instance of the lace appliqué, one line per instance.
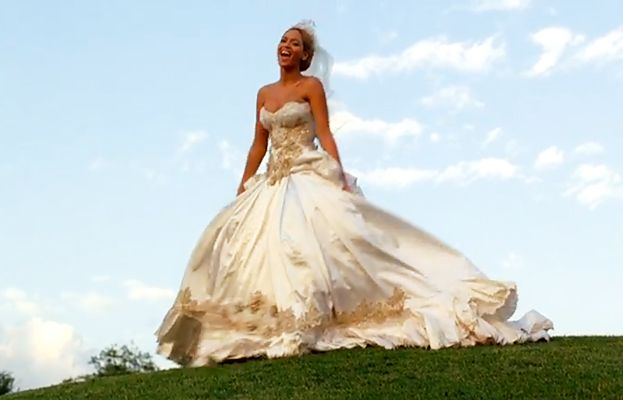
(286, 145)
(374, 312)
(259, 317)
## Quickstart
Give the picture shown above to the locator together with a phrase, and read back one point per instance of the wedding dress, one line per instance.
(296, 264)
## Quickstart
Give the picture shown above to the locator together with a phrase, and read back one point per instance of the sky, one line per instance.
(494, 124)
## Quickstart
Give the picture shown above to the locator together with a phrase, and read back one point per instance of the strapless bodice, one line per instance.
(291, 130)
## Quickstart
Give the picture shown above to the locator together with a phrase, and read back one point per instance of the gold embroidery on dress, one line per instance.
(290, 136)
(286, 146)
(261, 318)
(377, 312)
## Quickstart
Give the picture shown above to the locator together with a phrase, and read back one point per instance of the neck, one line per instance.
(290, 75)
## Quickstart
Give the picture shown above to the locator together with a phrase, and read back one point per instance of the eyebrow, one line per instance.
(295, 40)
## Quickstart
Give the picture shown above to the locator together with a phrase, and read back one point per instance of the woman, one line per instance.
(300, 261)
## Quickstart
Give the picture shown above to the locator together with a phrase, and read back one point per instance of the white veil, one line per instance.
(320, 67)
(322, 62)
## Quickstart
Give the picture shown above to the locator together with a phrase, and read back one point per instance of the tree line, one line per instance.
(112, 360)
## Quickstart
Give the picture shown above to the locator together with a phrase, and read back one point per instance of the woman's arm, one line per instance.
(259, 145)
(320, 111)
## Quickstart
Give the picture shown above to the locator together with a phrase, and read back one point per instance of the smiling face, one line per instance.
(293, 51)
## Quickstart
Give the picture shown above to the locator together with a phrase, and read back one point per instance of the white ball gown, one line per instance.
(296, 264)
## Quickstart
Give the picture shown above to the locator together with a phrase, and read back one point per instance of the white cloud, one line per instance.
(98, 163)
(230, 157)
(554, 41)
(343, 6)
(154, 176)
(434, 52)
(493, 135)
(191, 139)
(589, 149)
(345, 123)
(198, 166)
(89, 301)
(396, 177)
(453, 97)
(466, 172)
(512, 261)
(461, 173)
(137, 290)
(387, 37)
(512, 147)
(42, 352)
(498, 5)
(594, 184)
(19, 301)
(603, 49)
(435, 137)
(549, 158)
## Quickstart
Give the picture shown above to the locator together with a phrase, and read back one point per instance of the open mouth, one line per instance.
(285, 53)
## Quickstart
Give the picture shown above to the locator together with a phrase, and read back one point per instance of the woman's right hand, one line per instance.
(346, 187)
(240, 190)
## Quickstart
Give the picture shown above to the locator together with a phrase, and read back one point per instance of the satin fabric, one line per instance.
(295, 264)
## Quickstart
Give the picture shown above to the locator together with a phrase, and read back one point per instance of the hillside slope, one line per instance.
(567, 367)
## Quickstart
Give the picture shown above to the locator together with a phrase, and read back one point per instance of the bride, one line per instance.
(300, 261)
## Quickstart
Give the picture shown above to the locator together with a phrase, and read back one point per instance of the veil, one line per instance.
(320, 67)
(322, 62)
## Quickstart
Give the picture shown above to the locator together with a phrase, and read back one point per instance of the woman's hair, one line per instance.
(309, 45)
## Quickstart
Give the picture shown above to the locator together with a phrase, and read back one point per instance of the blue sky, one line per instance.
(494, 124)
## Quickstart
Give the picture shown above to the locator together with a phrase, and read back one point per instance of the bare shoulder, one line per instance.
(313, 88)
(263, 93)
(264, 89)
(313, 83)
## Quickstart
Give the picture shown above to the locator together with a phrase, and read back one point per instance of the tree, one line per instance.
(6, 382)
(119, 360)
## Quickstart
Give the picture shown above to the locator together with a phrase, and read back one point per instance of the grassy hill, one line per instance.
(567, 367)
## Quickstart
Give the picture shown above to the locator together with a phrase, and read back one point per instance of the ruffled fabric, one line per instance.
(199, 334)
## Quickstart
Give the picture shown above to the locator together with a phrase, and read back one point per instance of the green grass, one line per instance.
(565, 368)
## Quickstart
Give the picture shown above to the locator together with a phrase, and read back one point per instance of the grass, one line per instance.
(565, 368)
